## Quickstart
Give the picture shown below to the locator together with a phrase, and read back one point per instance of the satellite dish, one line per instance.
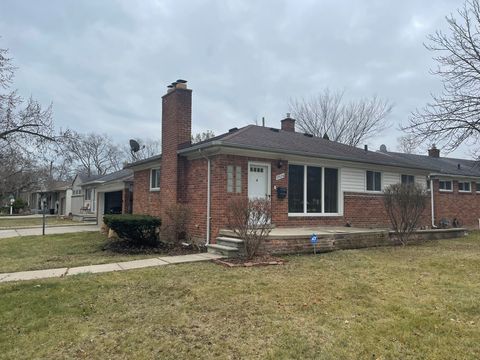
(134, 146)
(383, 148)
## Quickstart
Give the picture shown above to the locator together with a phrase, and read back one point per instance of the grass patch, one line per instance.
(61, 250)
(384, 303)
(12, 222)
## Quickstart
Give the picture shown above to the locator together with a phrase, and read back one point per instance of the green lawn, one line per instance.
(418, 302)
(12, 222)
(53, 251)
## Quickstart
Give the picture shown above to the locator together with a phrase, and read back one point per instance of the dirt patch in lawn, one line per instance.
(264, 260)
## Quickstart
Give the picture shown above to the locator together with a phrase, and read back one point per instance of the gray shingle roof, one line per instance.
(441, 165)
(124, 174)
(286, 142)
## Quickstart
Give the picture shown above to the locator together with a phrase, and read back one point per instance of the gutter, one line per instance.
(432, 203)
(208, 196)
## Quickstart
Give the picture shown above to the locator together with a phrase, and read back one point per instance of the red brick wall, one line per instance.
(463, 206)
(144, 200)
(193, 191)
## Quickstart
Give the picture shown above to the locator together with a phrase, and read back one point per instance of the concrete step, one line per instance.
(228, 241)
(222, 250)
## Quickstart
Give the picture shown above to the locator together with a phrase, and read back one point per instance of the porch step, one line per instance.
(85, 217)
(235, 243)
(227, 251)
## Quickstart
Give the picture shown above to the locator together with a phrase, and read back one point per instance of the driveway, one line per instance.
(48, 230)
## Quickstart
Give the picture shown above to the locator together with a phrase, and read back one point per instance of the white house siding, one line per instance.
(389, 178)
(353, 180)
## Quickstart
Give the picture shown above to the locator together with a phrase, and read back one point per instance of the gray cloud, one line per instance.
(106, 64)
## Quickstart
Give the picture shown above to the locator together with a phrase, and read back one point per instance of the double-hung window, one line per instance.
(445, 185)
(312, 190)
(374, 181)
(234, 179)
(88, 194)
(155, 179)
(464, 186)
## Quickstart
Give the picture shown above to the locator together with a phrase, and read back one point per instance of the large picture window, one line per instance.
(312, 190)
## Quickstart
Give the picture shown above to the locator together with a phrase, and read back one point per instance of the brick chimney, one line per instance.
(176, 133)
(434, 152)
(288, 124)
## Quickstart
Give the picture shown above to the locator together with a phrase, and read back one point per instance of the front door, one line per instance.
(258, 176)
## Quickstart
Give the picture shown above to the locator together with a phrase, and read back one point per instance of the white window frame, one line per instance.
(381, 182)
(465, 191)
(445, 190)
(151, 176)
(339, 192)
(88, 198)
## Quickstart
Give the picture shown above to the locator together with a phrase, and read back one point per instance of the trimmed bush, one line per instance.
(138, 229)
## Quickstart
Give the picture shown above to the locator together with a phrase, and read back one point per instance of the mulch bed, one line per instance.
(264, 260)
(128, 248)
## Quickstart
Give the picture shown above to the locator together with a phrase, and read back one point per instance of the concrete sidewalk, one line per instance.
(6, 233)
(120, 266)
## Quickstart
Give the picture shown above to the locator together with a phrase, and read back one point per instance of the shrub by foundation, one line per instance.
(137, 229)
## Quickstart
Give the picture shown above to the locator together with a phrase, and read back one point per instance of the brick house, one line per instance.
(310, 181)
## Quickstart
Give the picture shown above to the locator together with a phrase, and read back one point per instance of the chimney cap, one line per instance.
(181, 81)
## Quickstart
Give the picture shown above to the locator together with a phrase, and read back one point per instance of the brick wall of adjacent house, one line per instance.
(465, 207)
(145, 201)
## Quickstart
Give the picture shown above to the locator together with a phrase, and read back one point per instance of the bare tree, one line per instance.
(408, 144)
(250, 220)
(404, 204)
(348, 122)
(25, 129)
(202, 136)
(92, 153)
(452, 117)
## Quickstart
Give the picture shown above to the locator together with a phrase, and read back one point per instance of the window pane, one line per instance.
(448, 185)
(229, 178)
(157, 178)
(408, 179)
(331, 190)
(238, 179)
(369, 180)
(378, 181)
(314, 189)
(295, 189)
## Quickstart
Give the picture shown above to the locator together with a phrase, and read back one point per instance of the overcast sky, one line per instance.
(106, 64)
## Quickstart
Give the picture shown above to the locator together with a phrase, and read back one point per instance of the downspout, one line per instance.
(208, 196)
(432, 203)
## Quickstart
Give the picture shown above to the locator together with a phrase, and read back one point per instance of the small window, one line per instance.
(155, 179)
(408, 179)
(238, 179)
(445, 185)
(464, 186)
(88, 194)
(374, 181)
(230, 178)
(428, 184)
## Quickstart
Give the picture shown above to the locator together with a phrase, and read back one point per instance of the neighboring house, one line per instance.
(83, 198)
(57, 196)
(310, 181)
(109, 194)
